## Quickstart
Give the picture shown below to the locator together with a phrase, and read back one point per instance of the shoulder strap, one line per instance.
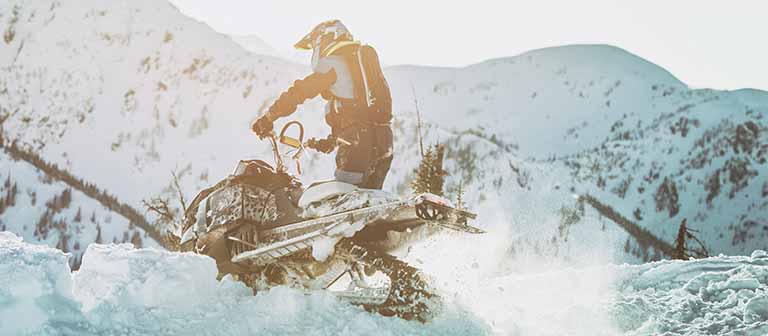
(366, 96)
(337, 47)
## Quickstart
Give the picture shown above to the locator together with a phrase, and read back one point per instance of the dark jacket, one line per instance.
(339, 77)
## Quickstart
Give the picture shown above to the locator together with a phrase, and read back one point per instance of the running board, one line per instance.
(291, 238)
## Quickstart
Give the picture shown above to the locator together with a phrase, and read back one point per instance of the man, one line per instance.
(359, 107)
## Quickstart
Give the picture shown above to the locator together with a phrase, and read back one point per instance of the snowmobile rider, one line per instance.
(347, 74)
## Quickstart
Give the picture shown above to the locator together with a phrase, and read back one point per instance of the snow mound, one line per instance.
(715, 296)
(35, 288)
(122, 290)
(127, 291)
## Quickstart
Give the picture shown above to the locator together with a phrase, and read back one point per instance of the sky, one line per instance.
(714, 44)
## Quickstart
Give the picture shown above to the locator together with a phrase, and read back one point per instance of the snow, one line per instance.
(716, 296)
(540, 100)
(36, 191)
(256, 45)
(323, 247)
(36, 292)
(123, 290)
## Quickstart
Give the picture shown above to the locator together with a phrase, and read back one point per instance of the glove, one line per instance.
(262, 127)
(322, 145)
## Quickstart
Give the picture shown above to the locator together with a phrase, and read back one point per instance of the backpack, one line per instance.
(373, 94)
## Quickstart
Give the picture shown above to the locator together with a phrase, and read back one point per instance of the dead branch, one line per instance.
(418, 120)
(177, 186)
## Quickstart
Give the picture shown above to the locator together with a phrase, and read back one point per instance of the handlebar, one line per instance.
(299, 144)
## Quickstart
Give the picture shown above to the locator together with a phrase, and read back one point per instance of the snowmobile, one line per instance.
(262, 227)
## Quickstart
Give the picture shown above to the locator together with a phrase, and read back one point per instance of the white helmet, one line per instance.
(324, 35)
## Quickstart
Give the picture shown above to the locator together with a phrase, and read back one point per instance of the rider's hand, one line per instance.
(262, 127)
(322, 145)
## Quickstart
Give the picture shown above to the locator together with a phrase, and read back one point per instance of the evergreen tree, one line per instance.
(421, 183)
(460, 196)
(430, 176)
(43, 225)
(98, 239)
(78, 216)
(136, 239)
(10, 195)
(63, 243)
(682, 251)
(679, 252)
(66, 198)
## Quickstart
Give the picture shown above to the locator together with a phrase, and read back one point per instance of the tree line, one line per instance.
(89, 189)
(680, 250)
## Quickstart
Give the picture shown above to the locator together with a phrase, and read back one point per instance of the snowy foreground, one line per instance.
(122, 290)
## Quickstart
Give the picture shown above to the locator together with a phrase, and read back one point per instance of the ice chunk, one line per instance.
(756, 309)
(759, 254)
(119, 275)
(35, 288)
(724, 296)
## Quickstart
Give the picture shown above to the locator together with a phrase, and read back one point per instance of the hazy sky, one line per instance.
(718, 44)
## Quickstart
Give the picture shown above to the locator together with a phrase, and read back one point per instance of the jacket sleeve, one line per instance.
(301, 90)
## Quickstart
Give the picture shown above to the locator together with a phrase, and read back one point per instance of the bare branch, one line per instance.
(418, 120)
(177, 186)
(160, 207)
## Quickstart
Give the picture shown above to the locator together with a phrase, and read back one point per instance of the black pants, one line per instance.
(366, 162)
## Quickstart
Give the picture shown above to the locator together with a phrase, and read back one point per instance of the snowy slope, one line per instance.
(132, 95)
(136, 84)
(597, 120)
(44, 210)
(256, 45)
(121, 290)
(548, 101)
(705, 159)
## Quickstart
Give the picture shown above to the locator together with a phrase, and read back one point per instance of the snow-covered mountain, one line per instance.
(545, 102)
(705, 160)
(597, 120)
(256, 45)
(136, 91)
(133, 93)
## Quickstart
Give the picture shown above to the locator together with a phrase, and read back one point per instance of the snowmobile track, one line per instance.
(410, 295)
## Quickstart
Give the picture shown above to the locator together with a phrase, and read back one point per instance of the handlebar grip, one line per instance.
(293, 142)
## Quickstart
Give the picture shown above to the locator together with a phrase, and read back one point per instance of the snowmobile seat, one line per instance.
(322, 190)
